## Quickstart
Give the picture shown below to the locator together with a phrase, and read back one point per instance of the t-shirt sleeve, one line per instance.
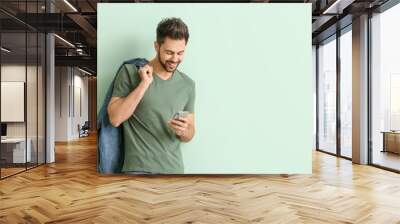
(125, 82)
(190, 104)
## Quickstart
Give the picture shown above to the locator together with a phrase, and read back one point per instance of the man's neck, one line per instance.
(159, 70)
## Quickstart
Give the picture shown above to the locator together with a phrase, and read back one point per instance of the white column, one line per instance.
(50, 92)
(360, 90)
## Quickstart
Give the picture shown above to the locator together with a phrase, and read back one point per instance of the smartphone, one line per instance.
(180, 114)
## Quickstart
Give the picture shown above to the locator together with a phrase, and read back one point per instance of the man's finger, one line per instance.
(172, 125)
(178, 129)
(179, 123)
(184, 119)
(175, 126)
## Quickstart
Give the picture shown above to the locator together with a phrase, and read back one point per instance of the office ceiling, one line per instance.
(76, 21)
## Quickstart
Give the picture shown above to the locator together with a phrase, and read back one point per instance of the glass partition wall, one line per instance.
(22, 77)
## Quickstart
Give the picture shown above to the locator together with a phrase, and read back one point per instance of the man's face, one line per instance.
(170, 53)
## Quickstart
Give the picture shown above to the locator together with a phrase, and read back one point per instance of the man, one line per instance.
(145, 100)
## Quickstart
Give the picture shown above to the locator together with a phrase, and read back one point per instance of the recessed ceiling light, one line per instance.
(64, 40)
(337, 7)
(5, 50)
(84, 71)
(70, 5)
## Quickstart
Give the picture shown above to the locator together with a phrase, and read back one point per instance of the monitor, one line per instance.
(3, 129)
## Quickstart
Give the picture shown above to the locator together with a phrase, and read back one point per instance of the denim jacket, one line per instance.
(110, 155)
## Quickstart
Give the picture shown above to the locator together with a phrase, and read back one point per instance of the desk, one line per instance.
(13, 150)
(391, 141)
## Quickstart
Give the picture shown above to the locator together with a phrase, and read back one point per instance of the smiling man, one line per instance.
(145, 100)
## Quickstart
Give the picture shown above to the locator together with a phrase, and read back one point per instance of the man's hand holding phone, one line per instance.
(179, 123)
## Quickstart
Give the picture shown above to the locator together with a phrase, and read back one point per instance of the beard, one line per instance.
(165, 66)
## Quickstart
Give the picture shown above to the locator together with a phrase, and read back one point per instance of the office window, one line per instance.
(327, 96)
(346, 93)
(385, 90)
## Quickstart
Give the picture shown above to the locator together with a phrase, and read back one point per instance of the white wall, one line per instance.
(12, 73)
(62, 81)
(15, 72)
(34, 125)
(69, 82)
(79, 117)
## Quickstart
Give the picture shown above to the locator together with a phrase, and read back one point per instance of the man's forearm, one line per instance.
(122, 109)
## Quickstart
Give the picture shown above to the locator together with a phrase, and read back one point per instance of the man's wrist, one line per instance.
(144, 84)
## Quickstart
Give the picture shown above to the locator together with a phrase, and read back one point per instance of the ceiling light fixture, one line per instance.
(64, 40)
(337, 7)
(84, 71)
(70, 5)
(5, 50)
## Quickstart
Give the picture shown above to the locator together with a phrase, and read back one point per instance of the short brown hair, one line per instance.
(173, 28)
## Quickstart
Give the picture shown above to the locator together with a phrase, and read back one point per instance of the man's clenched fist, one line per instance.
(146, 74)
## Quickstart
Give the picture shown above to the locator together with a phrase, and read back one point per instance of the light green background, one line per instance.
(252, 66)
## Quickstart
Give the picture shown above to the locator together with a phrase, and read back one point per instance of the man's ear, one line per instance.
(156, 46)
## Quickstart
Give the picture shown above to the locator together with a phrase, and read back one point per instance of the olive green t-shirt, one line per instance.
(150, 145)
